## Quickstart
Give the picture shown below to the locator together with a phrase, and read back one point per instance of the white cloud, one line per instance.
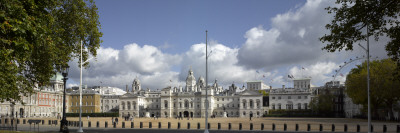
(222, 64)
(118, 68)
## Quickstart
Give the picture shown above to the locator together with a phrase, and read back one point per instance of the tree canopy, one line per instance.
(38, 37)
(352, 19)
(384, 90)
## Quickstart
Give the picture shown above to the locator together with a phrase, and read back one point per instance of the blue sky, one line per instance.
(181, 23)
(157, 41)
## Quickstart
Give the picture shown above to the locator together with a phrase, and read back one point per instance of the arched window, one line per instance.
(165, 103)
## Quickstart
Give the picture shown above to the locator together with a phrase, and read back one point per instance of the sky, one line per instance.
(158, 41)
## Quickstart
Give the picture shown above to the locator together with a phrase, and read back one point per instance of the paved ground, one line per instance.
(235, 122)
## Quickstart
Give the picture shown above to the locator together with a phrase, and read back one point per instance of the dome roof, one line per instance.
(136, 81)
(190, 76)
(201, 79)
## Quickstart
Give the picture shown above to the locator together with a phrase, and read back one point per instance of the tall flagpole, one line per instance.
(206, 101)
(80, 97)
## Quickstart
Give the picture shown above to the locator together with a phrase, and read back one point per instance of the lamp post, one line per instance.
(63, 125)
(206, 101)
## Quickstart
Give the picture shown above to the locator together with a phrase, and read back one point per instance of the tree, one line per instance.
(38, 37)
(323, 103)
(384, 90)
(352, 19)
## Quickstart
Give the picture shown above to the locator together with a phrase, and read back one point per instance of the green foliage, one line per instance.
(289, 113)
(38, 37)
(93, 114)
(384, 90)
(263, 92)
(323, 103)
(353, 18)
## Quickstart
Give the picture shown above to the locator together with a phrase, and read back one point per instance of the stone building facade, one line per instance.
(45, 102)
(189, 101)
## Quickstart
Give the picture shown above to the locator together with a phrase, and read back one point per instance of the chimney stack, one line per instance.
(270, 87)
(126, 88)
(283, 86)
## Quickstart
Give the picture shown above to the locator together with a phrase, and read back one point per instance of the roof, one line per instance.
(57, 77)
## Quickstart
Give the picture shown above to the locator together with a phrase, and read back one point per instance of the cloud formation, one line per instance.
(267, 54)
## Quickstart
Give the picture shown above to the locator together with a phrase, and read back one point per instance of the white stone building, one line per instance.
(190, 101)
(45, 102)
(295, 98)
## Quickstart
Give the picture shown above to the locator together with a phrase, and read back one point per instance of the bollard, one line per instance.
(198, 125)
(131, 124)
(150, 125)
(240, 126)
(97, 124)
(89, 124)
(159, 124)
(179, 125)
(320, 127)
(384, 128)
(273, 126)
(23, 121)
(169, 125)
(333, 127)
(106, 124)
(358, 128)
(262, 126)
(219, 126)
(284, 127)
(208, 124)
(229, 126)
(345, 127)
(372, 128)
(115, 124)
(251, 126)
(123, 124)
(398, 128)
(297, 127)
(188, 125)
(141, 125)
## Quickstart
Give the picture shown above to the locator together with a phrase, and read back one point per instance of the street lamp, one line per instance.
(206, 101)
(63, 125)
(80, 94)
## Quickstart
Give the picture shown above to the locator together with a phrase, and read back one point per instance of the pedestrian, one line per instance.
(88, 117)
(112, 119)
(116, 120)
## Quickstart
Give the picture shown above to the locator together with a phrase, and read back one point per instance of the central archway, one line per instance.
(186, 114)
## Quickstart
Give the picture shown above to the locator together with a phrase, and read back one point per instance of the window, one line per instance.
(279, 97)
(299, 106)
(273, 97)
(299, 97)
(217, 99)
(289, 97)
(305, 97)
(222, 99)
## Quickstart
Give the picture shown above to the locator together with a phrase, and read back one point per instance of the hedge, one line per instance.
(93, 114)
